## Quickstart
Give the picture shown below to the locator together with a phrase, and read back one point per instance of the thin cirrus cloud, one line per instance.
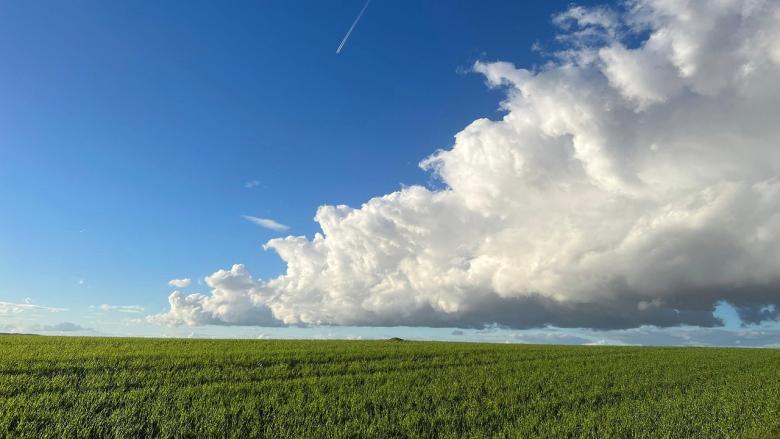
(9, 308)
(266, 223)
(58, 327)
(628, 183)
(135, 309)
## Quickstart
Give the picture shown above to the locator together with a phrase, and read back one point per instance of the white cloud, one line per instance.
(251, 184)
(180, 283)
(266, 223)
(7, 308)
(121, 308)
(625, 185)
(58, 327)
(587, 26)
(235, 299)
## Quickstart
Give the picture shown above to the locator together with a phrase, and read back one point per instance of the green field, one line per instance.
(124, 388)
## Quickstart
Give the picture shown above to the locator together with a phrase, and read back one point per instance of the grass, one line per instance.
(126, 388)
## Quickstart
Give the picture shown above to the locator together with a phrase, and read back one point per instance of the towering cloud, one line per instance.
(633, 180)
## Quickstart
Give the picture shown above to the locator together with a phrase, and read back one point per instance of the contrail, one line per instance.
(351, 28)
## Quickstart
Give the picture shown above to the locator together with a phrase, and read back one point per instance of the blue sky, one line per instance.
(134, 136)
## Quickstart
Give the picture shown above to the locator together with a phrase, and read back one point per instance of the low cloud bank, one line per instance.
(35, 328)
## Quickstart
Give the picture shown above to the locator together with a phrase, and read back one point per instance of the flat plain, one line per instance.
(74, 387)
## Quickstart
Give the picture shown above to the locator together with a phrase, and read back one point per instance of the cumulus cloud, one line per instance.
(628, 183)
(180, 283)
(266, 223)
(235, 299)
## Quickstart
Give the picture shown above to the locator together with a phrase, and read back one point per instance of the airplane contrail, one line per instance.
(351, 28)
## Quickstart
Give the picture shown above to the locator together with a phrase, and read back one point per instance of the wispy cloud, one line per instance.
(180, 283)
(121, 308)
(251, 184)
(266, 223)
(7, 308)
(58, 327)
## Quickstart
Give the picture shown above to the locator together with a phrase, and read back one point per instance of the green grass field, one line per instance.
(124, 388)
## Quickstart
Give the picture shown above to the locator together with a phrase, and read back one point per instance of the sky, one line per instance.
(535, 172)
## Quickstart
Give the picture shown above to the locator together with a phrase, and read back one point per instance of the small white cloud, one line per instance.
(251, 184)
(266, 223)
(180, 283)
(121, 308)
